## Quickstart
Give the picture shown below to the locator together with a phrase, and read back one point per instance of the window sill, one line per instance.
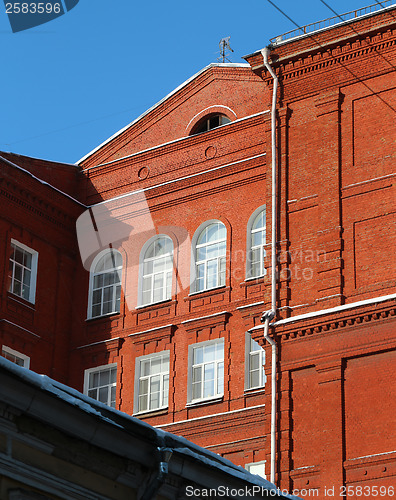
(202, 402)
(206, 293)
(255, 390)
(21, 300)
(105, 316)
(151, 413)
(250, 281)
(154, 304)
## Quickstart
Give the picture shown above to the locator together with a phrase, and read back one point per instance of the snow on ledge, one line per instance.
(332, 310)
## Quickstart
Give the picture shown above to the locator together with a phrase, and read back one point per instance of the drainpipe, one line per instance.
(164, 455)
(269, 315)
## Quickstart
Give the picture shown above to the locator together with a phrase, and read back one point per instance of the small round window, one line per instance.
(210, 122)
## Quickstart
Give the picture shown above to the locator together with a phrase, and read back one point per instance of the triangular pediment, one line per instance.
(229, 89)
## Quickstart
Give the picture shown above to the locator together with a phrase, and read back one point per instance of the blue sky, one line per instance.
(68, 85)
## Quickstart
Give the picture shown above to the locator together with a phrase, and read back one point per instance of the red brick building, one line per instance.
(160, 315)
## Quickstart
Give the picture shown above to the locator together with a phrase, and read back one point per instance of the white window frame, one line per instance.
(217, 369)
(97, 369)
(250, 246)
(257, 468)
(220, 260)
(167, 294)
(12, 352)
(164, 382)
(33, 271)
(92, 275)
(249, 354)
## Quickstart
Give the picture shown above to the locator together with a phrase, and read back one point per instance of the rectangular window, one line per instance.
(152, 380)
(255, 360)
(22, 271)
(206, 370)
(15, 356)
(100, 384)
(257, 468)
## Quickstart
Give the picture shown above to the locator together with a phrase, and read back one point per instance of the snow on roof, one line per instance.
(41, 181)
(332, 310)
(123, 421)
(212, 65)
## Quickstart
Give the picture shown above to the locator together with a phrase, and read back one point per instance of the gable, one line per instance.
(229, 89)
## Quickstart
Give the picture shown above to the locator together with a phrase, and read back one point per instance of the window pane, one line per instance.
(143, 402)
(17, 288)
(26, 277)
(203, 236)
(210, 352)
(255, 361)
(209, 388)
(209, 372)
(104, 377)
(196, 390)
(96, 311)
(154, 400)
(26, 292)
(197, 374)
(18, 273)
(198, 355)
(148, 267)
(18, 256)
(107, 307)
(258, 238)
(156, 366)
(213, 232)
(92, 393)
(103, 395)
(143, 387)
(201, 253)
(255, 378)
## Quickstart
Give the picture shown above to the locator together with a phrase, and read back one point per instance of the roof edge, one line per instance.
(186, 82)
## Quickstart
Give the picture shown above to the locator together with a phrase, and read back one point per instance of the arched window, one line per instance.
(256, 244)
(156, 271)
(209, 122)
(210, 257)
(105, 284)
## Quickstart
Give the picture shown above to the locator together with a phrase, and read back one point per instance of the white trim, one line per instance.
(217, 106)
(142, 254)
(332, 310)
(163, 144)
(139, 191)
(42, 182)
(209, 66)
(91, 280)
(251, 305)
(17, 354)
(375, 455)
(193, 265)
(191, 349)
(138, 361)
(151, 330)
(95, 369)
(21, 327)
(213, 415)
(33, 270)
(252, 219)
(204, 317)
(248, 356)
(96, 343)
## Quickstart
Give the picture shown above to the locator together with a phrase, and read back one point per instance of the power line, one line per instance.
(331, 55)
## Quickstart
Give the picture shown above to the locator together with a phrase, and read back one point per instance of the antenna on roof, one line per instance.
(225, 48)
